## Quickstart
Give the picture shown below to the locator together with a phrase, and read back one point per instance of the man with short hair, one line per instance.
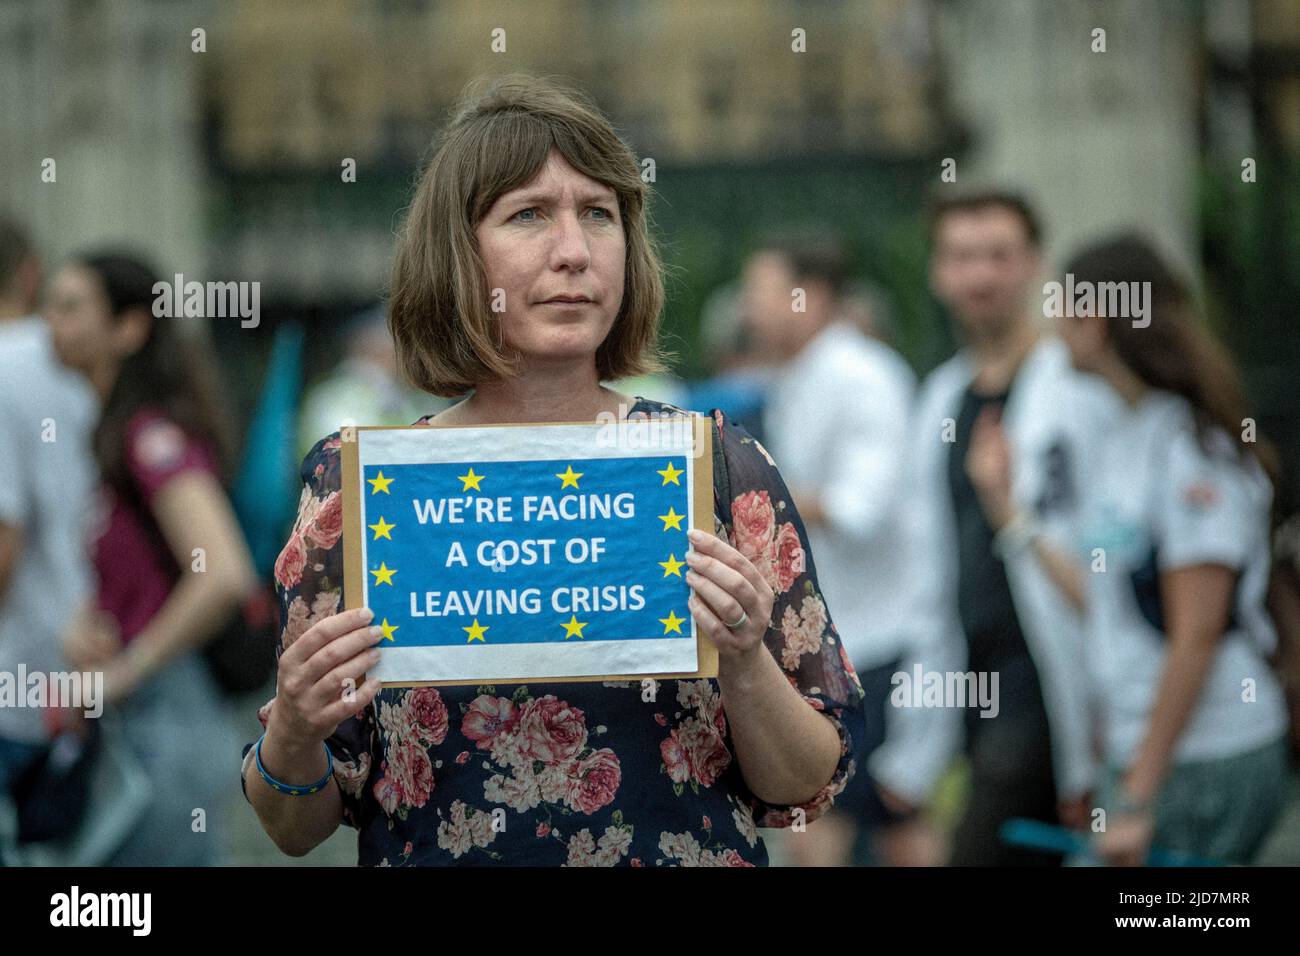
(47, 486)
(835, 420)
(990, 609)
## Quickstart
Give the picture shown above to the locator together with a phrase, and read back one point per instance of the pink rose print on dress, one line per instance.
(416, 723)
(409, 765)
(308, 507)
(300, 619)
(319, 524)
(803, 630)
(541, 746)
(585, 850)
(388, 793)
(696, 750)
(706, 751)
(487, 718)
(753, 523)
(684, 850)
(593, 782)
(702, 696)
(295, 623)
(428, 715)
(289, 565)
(327, 524)
(676, 763)
(551, 730)
(788, 557)
(468, 828)
(776, 552)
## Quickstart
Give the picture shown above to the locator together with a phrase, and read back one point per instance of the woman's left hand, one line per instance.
(1126, 841)
(728, 588)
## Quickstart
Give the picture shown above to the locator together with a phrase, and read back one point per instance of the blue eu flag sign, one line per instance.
(490, 568)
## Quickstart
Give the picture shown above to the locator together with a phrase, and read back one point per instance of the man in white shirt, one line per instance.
(985, 611)
(835, 421)
(47, 482)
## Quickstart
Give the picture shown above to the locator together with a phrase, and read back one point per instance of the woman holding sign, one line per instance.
(526, 274)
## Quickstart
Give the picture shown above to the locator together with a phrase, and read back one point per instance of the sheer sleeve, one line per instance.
(765, 527)
(309, 585)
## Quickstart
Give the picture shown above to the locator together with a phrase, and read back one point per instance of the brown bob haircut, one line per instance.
(447, 338)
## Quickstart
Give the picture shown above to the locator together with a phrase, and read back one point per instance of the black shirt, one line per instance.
(984, 605)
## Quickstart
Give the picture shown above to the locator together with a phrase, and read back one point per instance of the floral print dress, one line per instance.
(576, 774)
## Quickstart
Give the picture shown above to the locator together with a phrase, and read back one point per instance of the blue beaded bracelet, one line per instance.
(288, 788)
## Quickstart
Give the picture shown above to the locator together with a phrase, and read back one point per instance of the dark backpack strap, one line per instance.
(721, 478)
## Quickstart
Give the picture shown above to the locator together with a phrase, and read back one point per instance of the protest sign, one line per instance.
(540, 552)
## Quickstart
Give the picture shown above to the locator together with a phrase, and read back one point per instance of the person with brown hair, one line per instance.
(525, 273)
(983, 614)
(836, 418)
(162, 450)
(1171, 567)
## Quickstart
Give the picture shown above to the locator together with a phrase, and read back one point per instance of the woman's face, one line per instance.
(558, 236)
(80, 319)
(1085, 338)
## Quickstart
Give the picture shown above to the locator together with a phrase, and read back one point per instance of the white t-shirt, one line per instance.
(836, 422)
(48, 482)
(1162, 502)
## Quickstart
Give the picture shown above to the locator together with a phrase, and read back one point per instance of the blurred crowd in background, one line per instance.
(918, 172)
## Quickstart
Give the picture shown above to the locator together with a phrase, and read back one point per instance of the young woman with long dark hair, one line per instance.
(1172, 572)
(170, 559)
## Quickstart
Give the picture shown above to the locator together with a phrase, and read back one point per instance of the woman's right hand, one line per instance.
(317, 685)
(92, 639)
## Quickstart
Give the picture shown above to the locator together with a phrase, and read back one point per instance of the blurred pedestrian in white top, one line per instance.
(835, 419)
(46, 478)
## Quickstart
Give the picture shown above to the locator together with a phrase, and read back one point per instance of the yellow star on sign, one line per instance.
(671, 566)
(384, 575)
(471, 480)
(569, 477)
(672, 520)
(672, 623)
(381, 530)
(380, 483)
(476, 632)
(670, 474)
(388, 629)
(571, 626)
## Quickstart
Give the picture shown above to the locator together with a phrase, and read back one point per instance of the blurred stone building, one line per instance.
(227, 163)
(296, 88)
